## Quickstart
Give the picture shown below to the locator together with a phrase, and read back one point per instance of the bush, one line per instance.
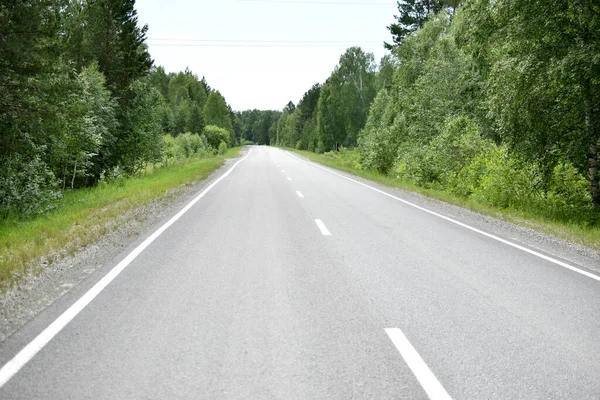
(172, 149)
(184, 144)
(348, 157)
(222, 148)
(568, 193)
(27, 187)
(215, 135)
(500, 180)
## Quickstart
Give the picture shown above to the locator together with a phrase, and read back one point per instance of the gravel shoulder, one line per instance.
(44, 284)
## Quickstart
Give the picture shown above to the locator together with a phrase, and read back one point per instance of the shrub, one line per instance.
(348, 157)
(184, 143)
(27, 187)
(222, 148)
(171, 148)
(215, 135)
(567, 193)
(500, 180)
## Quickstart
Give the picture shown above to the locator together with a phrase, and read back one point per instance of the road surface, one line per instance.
(285, 280)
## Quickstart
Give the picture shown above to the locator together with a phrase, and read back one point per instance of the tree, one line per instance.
(307, 106)
(330, 131)
(32, 77)
(216, 112)
(195, 121)
(181, 115)
(344, 106)
(290, 107)
(306, 118)
(141, 141)
(412, 14)
(544, 78)
(117, 43)
(385, 73)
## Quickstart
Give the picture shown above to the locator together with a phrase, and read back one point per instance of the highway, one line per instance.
(286, 280)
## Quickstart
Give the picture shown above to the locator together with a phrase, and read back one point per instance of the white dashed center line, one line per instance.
(433, 388)
(299, 193)
(289, 179)
(322, 227)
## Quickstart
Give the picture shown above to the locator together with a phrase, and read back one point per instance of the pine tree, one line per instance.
(412, 15)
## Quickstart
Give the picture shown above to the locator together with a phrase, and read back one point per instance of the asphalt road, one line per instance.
(246, 295)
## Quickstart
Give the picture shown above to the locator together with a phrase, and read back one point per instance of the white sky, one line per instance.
(214, 39)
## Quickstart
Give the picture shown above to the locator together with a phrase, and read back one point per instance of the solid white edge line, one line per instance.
(322, 227)
(525, 249)
(299, 193)
(37, 344)
(289, 179)
(428, 381)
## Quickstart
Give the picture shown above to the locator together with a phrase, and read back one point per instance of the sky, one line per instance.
(262, 53)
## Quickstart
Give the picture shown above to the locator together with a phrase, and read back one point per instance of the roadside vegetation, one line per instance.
(90, 129)
(491, 105)
(539, 217)
(82, 216)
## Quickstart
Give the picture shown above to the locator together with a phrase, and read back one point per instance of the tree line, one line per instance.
(81, 102)
(494, 101)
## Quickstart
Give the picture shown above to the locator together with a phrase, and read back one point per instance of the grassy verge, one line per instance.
(84, 215)
(577, 233)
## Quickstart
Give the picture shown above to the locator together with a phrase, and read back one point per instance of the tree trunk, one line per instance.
(592, 119)
(73, 179)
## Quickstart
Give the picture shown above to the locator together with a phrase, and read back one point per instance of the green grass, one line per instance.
(573, 232)
(85, 215)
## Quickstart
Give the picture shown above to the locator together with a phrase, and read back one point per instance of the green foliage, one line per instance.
(216, 113)
(186, 145)
(412, 15)
(184, 97)
(222, 148)
(379, 140)
(501, 181)
(215, 136)
(83, 216)
(567, 191)
(298, 125)
(349, 158)
(258, 126)
(140, 140)
(27, 187)
(112, 38)
(567, 225)
(345, 99)
(543, 80)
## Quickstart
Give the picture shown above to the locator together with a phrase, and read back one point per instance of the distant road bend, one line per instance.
(284, 279)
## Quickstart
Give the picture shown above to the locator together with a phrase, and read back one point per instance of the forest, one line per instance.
(497, 102)
(81, 103)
